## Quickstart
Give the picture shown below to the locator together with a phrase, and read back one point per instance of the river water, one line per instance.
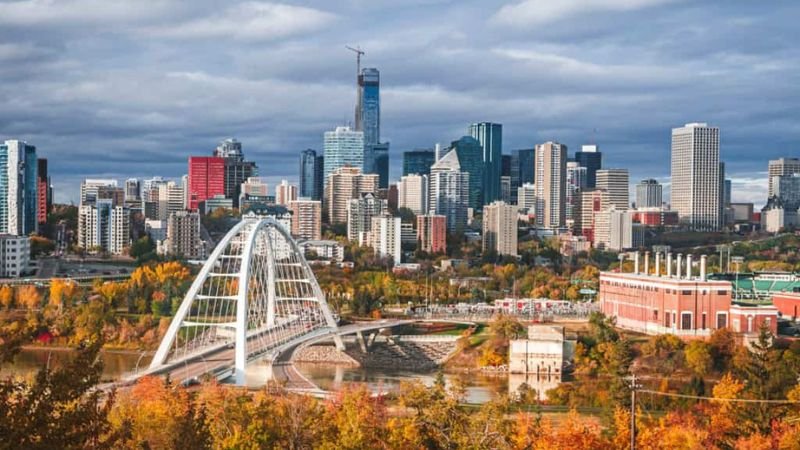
(479, 387)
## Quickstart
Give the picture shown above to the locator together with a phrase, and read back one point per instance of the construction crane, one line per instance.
(358, 53)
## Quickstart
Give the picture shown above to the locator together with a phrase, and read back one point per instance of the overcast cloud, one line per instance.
(111, 88)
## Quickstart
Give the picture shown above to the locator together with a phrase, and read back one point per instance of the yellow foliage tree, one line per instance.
(29, 297)
(7, 296)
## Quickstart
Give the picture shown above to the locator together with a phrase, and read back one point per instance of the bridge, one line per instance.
(255, 298)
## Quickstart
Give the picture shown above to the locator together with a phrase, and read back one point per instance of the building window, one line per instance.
(703, 324)
(722, 320)
(655, 315)
(686, 321)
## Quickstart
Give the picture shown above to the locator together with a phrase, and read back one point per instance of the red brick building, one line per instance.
(206, 179)
(687, 306)
(432, 233)
(788, 304)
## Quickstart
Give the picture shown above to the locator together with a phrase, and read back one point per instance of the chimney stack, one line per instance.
(647, 263)
(658, 264)
(678, 266)
(689, 266)
(703, 268)
(636, 263)
(669, 264)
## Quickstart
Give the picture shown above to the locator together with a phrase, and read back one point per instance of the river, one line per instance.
(479, 387)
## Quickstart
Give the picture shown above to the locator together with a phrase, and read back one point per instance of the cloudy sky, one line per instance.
(112, 88)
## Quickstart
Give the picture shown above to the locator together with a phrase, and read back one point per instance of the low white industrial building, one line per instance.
(546, 350)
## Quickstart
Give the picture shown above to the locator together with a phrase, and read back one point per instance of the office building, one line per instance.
(376, 161)
(449, 191)
(95, 189)
(15, 255)
(311, 175)
(183, 236)
(742, 212)
(149, 186)
(522, 170)
(500, 229)
(779, 168)
(695, 188)
(214, 203)
(418, 161)
(576, 182)
(384, 237)
(551, 174)
(157, 230)
(649, 194)
(432, 233)
(505, 189)
(344, 147)
(206, 179)
(343, 185)
(254, 190)
(412, 193)
(306, 218)
(470, 159)
(620, 233)
(787, 189)
(616, 183)
(285, 193)
(490, 137)
(104, 227)
(133, 192)
(591, 158)
(360, 212)
(236, 168)
(44, 194)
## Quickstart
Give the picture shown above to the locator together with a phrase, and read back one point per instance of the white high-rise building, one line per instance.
(15, 255)
(384, 237)
(620, 230)
(449, 191)
(360, 212)
(576, 181)
(104, 227)
(526, 196)
(171, 199)
(616, 183)
(412, 193)
(550, 179)
(649, 194)
(695, 186)
(500, 228)
(285, 193)
(344, 147)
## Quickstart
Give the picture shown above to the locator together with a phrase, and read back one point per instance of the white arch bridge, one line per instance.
(254, 299)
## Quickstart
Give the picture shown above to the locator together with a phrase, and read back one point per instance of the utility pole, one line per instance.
(634, 386)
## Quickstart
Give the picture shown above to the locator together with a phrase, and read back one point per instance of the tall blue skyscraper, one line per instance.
(591, 158)
(418, 161)
(310, 175)
(470, 157)
(18, 188)
(490, 136)
(368, 120)
(368, 110)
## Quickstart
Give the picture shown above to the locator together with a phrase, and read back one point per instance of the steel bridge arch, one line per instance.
(283, 277)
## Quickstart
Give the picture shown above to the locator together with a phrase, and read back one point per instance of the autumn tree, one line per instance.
(7, 296)
(28, 296)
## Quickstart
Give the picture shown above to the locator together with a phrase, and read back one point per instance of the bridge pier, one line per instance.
(360, 340)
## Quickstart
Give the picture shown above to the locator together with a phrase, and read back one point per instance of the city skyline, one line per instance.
(141, 109)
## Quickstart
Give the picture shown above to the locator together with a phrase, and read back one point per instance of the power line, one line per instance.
(736, 400)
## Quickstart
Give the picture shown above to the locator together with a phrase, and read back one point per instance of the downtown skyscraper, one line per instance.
(19, 202)
(368, 120)
(695, 188)
(591, 158)
(551, 177)
(490, 136)
(312, 179)
(237, 169)
(344, 147)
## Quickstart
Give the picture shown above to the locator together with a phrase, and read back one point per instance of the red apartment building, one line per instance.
(206, 179)
(687, 306)
(432, 233)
